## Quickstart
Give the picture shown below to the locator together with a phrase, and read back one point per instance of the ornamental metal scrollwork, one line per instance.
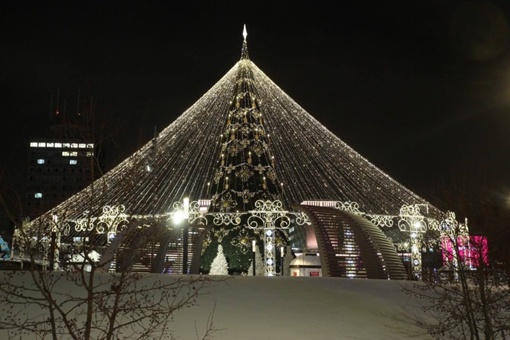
(110, 220)
(205, 243)
(101, 227)
(433, 224)
(412, 226)
(301, 218)
(221, 233)
(242, 241)
(411, 210)
(263, 220)
(66, 230)
(226, 219)
(195, 216)
(411, 219)
(352, 207)
(268, 214)
(382, 220)
(402, 246)
(83, 224)
(449, 225)
(189, 211)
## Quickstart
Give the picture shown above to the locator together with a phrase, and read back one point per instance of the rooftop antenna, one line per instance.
(78, 103)
(58, 104)
(51, 106)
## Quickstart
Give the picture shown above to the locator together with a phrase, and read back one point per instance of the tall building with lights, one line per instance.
(61, 163)
(57, 169)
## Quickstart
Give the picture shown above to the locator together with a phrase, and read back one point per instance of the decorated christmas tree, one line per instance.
(287, 259)
(259, 263)
(245, 174)
(250, 270)
(219, 266)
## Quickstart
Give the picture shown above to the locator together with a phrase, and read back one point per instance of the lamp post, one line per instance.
(182, 216)
(413, 221)
(185, 235)
(253, 249)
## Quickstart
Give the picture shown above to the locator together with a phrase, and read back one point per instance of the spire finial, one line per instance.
(244, 51)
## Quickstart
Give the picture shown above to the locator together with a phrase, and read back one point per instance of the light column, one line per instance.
(253, 249)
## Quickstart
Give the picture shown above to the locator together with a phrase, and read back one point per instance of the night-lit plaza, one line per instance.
(255, 171)
(247, 168)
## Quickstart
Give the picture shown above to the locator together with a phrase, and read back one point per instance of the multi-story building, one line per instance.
(57, 168)
(60, 164)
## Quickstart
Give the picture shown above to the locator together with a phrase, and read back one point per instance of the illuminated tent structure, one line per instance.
(254, 170)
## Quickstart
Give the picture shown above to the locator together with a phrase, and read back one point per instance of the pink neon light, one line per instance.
(471, 251)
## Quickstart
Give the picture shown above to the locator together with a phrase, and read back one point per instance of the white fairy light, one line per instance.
(312, 161)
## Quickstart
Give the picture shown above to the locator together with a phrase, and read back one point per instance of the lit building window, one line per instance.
(89, 154)
(81, 145)
(41, 161)
(74, 153)
(73, 161)
(38, 195)
(90, 145)
(65, 153)
(33, 144)
(66, 145)
(58, 145)
(41, 144)
(74, 145)
(50, 145)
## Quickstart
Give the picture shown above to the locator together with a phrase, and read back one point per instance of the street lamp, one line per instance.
(179, 217)
(185, 234)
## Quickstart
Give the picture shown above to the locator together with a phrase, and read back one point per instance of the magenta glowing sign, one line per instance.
(471, 251)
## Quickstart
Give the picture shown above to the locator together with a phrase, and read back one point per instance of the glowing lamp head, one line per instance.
(178, 217)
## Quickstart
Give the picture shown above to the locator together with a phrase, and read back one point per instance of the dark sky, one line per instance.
(419, 88)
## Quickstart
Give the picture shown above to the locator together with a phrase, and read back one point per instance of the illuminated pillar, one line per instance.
(253, 249)
(282, 253)
(269, 246)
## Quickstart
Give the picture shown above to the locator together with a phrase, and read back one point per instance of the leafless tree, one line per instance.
(64, 290)
(86, 297)
(470, 298)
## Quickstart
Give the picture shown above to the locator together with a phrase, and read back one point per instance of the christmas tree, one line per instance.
(287, 259)
(219, 266)
(259, 263)
(245, 174)
(250, 270)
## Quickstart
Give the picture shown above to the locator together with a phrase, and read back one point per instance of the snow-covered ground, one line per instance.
(283, 308)
(249, 308)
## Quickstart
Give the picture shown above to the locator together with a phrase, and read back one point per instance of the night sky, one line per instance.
(419, 88)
